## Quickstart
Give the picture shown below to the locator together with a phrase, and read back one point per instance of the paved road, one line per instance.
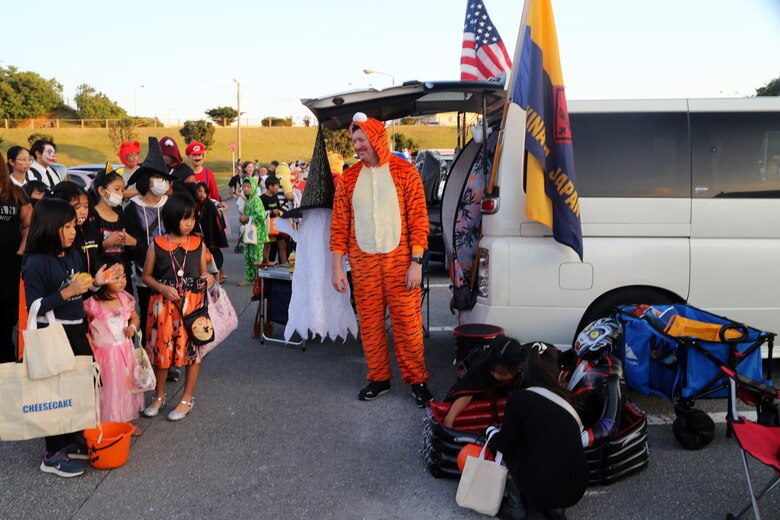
(279, 433)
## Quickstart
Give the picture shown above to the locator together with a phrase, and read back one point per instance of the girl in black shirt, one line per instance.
(15, 211)
(56, 273)
(540, 440)
(107, 193)
(87, 241)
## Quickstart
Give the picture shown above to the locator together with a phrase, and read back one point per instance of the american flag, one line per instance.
(484, 55)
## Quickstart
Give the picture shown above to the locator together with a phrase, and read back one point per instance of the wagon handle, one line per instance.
(739, 327)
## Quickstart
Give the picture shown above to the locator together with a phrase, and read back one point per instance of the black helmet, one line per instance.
(598, 339)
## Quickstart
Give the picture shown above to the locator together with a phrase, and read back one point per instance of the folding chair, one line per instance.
(761, 441)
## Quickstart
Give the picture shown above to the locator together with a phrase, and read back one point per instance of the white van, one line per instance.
(680, 202)
(679, 199)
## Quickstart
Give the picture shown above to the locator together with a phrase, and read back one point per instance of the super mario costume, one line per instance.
(380, 220)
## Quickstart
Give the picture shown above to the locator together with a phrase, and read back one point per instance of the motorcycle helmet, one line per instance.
(598, 339)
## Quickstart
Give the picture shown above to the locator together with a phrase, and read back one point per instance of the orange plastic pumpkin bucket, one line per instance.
(113, 449)
(472, 450)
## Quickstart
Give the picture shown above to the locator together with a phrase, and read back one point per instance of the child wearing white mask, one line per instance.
(107, 193)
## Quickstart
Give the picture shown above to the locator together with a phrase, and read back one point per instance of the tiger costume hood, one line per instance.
(375, 130)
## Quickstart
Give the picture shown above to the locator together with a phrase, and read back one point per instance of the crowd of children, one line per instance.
(84, 254)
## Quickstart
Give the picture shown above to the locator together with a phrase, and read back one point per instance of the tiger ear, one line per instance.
(120, 172)
(109, 168)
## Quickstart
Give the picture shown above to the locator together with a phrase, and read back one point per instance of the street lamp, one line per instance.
(238, 109)
(135, 90)
(392, 81)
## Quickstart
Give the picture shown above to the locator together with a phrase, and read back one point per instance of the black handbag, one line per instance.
(198, 324)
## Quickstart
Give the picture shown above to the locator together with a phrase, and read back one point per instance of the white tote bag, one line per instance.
(223, 317)
(65, 403)
(47, 351)
(481, 486)
(250, 232)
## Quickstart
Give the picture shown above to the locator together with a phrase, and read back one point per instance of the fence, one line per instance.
(177, 123)
(73, 123)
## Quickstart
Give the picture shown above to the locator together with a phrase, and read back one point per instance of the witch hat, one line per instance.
(319, 190)
(153, 163)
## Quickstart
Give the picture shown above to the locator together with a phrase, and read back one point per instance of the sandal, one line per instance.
(154, 411)
(178, 416)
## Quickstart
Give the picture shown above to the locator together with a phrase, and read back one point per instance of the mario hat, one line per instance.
(195, 148)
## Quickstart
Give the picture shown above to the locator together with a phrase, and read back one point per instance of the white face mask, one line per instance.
(159, 187)
(113, 200)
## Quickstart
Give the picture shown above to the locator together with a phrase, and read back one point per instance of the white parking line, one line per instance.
(438, 285)
(441, 329)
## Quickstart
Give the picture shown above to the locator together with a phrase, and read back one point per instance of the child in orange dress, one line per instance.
(175, 270)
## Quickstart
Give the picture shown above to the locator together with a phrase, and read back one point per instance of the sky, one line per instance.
(187, 54)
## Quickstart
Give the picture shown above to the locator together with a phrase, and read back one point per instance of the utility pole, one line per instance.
(238, 120)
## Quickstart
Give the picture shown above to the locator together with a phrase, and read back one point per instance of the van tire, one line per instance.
(606, 304)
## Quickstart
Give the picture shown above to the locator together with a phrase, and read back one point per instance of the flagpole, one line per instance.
(510, 90)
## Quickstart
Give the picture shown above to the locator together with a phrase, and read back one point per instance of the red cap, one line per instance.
(195, 148)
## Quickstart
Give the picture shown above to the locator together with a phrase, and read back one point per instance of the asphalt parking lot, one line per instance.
(277, 432)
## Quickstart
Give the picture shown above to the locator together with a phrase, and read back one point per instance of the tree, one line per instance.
(92, 104)
(223, 116)
(200, 130)
(121, 131)
(26, 95)
(39, 136)
(770, 89)
(338, 141)
(402, 142)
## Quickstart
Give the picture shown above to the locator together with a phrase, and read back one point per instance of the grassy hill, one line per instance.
(92, 145)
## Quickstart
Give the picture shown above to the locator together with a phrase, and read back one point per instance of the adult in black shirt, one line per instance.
(15, 211)
(540, 440)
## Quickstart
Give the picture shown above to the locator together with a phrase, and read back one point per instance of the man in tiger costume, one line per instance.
(381, 222)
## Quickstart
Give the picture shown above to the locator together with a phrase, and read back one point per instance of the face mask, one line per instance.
(159, 187)
(113, 200)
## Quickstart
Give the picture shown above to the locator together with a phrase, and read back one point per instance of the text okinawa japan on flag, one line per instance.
(483, 55)
(551, 192)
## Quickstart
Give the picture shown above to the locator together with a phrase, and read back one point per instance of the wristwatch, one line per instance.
(417, 260)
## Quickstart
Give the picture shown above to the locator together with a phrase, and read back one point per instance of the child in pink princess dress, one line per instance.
(112, 324)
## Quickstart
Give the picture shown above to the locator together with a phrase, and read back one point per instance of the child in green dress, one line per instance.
(254, 210)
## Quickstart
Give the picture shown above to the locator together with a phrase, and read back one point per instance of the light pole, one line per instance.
(238, 109)
(392, 81)
(135, 90)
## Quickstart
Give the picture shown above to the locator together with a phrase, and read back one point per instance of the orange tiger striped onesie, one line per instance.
(379, 220)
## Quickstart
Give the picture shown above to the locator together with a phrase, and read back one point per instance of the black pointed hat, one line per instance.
(153, 163)
(319, 190)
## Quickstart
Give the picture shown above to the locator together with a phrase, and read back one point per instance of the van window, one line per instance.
(631, 154)
(736, 154)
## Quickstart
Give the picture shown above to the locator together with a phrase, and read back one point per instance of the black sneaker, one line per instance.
(421, 395)
(77, 450)
(59, 464)
(374, 390)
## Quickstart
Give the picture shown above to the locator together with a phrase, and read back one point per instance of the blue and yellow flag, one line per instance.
(551, 187)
